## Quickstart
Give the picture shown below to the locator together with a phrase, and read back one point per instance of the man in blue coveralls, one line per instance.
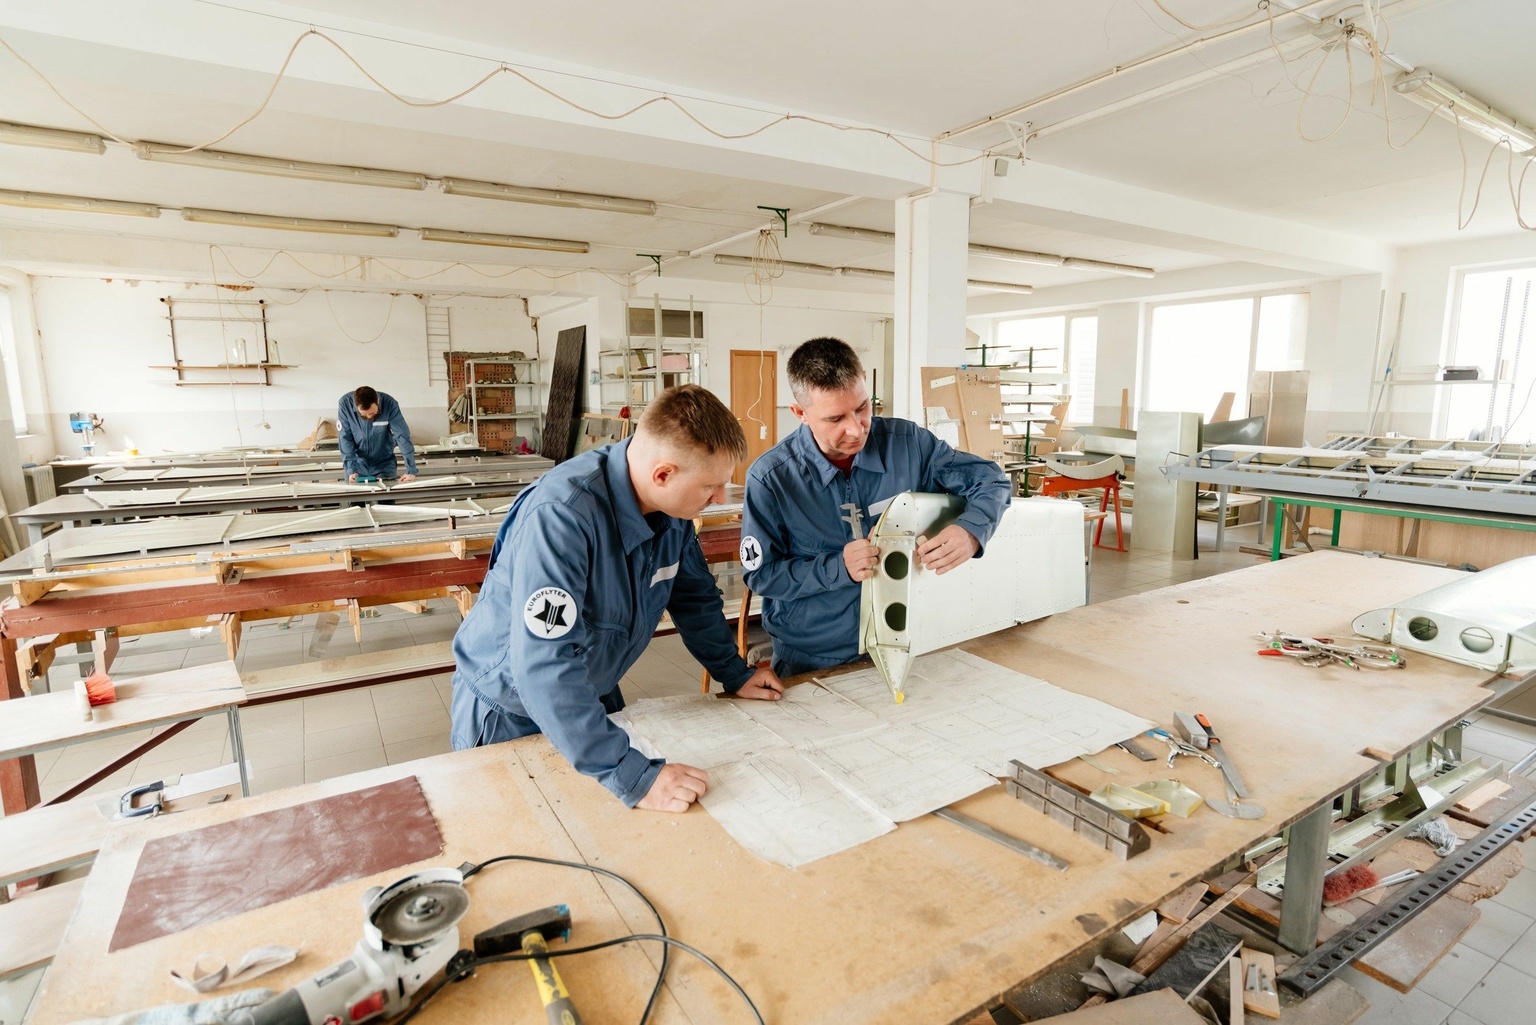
(799, 553)
(369, 425)
(588, 558)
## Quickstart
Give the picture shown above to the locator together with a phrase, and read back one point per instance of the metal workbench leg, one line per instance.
(1221, 515)
(237, 745)
(1305, 861)
(1274, 551)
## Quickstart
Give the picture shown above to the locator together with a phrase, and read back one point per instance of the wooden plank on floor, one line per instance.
(1181, 905)
(1235, 1001)
(1521, 791)
(32, 926)
(1406, 956)
(1265, 1001)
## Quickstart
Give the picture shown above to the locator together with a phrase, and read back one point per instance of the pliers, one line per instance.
(1178, 747)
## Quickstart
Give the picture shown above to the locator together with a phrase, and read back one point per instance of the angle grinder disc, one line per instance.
(422, 912)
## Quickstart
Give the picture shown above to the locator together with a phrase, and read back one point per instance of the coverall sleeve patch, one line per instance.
(550, 613)
(751, 553)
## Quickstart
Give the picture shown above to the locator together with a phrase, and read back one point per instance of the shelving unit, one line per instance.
(514, 396)
(1031, 382)
(662, 348)
(263, 365)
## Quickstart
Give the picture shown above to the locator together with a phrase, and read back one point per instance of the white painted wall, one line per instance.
(97, 339)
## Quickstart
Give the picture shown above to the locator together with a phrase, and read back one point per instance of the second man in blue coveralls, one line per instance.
(799, 553)
(369, 425)
(586, 562)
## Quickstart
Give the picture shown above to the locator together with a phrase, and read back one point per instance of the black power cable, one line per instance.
(462, 967)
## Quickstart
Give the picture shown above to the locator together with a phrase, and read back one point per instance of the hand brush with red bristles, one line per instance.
(1342, 886)
(98, 687)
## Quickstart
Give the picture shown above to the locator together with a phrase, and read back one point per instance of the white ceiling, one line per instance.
(1230, 141)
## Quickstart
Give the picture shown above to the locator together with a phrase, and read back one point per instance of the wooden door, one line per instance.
(755, 401)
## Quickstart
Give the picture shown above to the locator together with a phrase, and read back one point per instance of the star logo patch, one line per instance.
(751, 553)
(550, 613)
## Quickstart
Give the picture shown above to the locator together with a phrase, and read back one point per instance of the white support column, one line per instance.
(932, 233)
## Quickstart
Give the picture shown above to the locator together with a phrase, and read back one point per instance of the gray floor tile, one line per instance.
(1506, 996)
(1458, 972)
(1520, 892)
(1389, 1007)
(1497, 929)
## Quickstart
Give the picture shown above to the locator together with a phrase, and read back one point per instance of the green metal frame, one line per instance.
(1340, 508)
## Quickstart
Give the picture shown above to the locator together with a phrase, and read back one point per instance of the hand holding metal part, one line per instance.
(860, 555)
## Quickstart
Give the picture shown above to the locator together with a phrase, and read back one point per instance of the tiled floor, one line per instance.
(1488, 979)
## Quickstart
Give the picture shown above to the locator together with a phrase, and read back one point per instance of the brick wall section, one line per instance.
(495, 435)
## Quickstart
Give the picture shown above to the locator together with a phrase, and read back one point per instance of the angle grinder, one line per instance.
(410, 932)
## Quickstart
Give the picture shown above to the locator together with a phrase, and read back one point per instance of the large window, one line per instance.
(12, 371)
(1063, 342)
(1198, 351)
(1495, 334)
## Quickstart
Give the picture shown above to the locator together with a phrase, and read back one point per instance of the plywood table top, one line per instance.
(923, 924)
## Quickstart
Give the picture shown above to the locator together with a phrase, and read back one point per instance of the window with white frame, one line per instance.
(1495, 334)
(1197, 351)
(1059, 342)
(12, 371)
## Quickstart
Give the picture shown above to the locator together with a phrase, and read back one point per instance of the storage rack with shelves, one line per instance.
(663, 347)
(503, 389)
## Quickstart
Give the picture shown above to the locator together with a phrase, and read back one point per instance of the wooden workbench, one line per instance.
(924, 924)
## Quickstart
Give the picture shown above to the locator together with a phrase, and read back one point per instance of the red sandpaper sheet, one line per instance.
(205, 875)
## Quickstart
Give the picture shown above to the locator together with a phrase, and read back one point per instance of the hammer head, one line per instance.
(507, 937)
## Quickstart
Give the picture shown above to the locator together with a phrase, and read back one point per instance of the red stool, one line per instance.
(1060, 485)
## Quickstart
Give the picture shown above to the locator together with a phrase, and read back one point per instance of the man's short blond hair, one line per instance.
(693, 418)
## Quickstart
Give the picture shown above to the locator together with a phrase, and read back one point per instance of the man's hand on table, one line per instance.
(763, 685)
(675, 788)
(947, 549)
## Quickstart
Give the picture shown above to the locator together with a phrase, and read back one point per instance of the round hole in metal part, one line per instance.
(896, 616)
(1422, 628)
(896, 565)
(1475, 638)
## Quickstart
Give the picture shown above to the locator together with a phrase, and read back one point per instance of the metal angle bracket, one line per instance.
(1313, 971)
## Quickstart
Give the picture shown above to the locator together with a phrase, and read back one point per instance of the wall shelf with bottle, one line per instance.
(254, 351)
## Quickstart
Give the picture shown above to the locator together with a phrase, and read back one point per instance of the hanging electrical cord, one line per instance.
(1261, 6)
(507, 69)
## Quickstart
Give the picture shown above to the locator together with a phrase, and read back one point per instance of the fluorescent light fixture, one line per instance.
(1002, 286)
(1018, 255)
(994, 252)
(81, 204)
(1079, 263)
(885, 275)
(51, 138)
(866, 272)
(547, 197)
(482, 238)
(861, 234)
(747, 261)
(240, 220)
(1428, 90)
(278, 167)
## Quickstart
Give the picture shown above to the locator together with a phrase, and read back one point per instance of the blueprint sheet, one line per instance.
(834, 764)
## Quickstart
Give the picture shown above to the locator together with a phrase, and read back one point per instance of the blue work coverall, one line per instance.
(578, 581)
(368, 446)
(793, 532)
